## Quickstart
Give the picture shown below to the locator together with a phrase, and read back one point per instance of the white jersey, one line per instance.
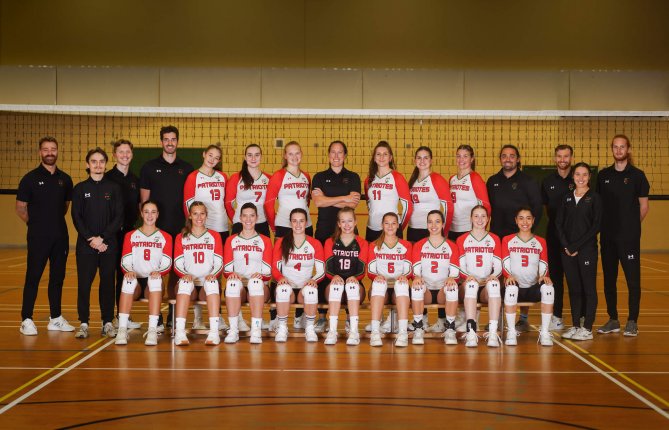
(526, 261)
(198, 256)
(385, 194)
(435, 264)
(246, 257)
(236, 195)
(292, 192)
(432, 193)
(467, 192)
(144, 254)
(209, 190)
(391, 263)
(305, 262)
(480, 258)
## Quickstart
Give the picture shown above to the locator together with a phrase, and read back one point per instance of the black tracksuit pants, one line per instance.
(556, 270)
(625, 252)
(87, 267)
(581, 272)
(40, 251)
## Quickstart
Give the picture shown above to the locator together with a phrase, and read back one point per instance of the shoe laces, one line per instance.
(488, 335)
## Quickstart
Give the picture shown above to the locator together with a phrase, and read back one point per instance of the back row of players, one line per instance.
(427, 271)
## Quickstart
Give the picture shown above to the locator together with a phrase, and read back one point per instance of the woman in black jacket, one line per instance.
(578, 221)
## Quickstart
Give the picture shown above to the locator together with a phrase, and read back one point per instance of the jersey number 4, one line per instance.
(301, 194)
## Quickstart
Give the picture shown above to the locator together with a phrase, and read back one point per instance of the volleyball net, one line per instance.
(536, 133)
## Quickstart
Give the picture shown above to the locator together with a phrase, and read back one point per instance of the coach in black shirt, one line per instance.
(624, 190)
(42, 201)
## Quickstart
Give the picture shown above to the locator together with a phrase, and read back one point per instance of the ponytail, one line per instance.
(244, 173)
(288, 241)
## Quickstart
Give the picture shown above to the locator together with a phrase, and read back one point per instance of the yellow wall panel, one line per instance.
(110, 86)
(211, 87)
(28, 85)
(312, 88)
(619, 90)
(413, 89)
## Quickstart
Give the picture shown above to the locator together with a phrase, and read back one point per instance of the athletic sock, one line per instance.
(417, 318)
(353, 324)
(333, 323)
(213, 324)
(234, 323)
(153, 321)
(403, 324)
(376, 325)
(511, 321)
(545, 321)
(492, 326)
(310, 320)
(181, 323)
(283, 320)
(450, 319)
(256, 322)
(123, 320)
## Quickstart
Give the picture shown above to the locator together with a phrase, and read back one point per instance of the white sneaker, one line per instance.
(232, 337)
(198, 325)
(418, 337)
(511, 337)
(402, 339)
(299, 323)
(331, 338)
(320, 325)
(122, 336)
(256, 335)
(160, 329)
(242, 325)
(59, 324)
(82, 332)
(545, 338)
(28, 328)
(180, 338)
(108, 330)
(151, 336)
(471, 339)
(569, 333)
(353, 338)
(582, 334)
(375, 339)
(264, 325)
(460, 322)
(272, 325)
(281, 333)
(386, 326)
(450, 337)
(438, 327)
(222, 325)
(310, 334)
(133, 325)
(493, 339)
(213, 338)
(556, 323)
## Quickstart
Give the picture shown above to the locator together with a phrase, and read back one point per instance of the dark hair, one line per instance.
(47, 139)
(338, 142)
(563, 147)
(337, 233)
(97, 150)
(244, 173)
(188, 226)
(147, 202)
(284, 163)
(471, 213)
(373, 168)
(469, 149)
(382, 237)
(515, 148)
(288, 241)
(441, 215)
(120, 142)
(414, 175)
(581, 164)
(629, 145)
(248, 205)
(169, 129)
(525, 208)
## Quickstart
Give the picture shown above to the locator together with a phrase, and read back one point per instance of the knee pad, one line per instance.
(511, 295)
(129, 286)
(379, 288)
(310, 295)
(155, 285)
(547, 294)
(211, 287)
(352, 291)
(185, 287)
(256, 287)
(233, 288)
(282, 294)
(471, 289)
(494, 291)
(401, 289)
(336, 291)
(451, 296)
(418, 294)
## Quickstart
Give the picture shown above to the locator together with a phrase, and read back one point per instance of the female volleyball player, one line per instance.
(435, 270)
(249, 185)
(467, 191)
(345, 266)
(198, 261)
(389, 267)
(247, 258)
(578, 221)
(525, 267)
(146, 258)
(297, 267)
(480, 267)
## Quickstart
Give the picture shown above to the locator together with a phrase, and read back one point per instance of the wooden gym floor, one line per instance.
(55, 381)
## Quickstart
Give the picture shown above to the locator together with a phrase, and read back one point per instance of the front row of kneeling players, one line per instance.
(433, 270)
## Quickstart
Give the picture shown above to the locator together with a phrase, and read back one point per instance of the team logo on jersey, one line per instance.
(571, 187)
(264, 181)
(87, 195)
(206, 240)
(133, 185)
(306, 250)
(495, 184)
(568, 199)
(533, 245)
(514, 186)
(344, 180)
(399, 251)
(444, 250)
(156, 239)
(60, 182)
(180, 171)
(587, 199)
(387, 180)
(487, 242)
(107, 196)
(255, 243)
(626, 181)
(40, 183)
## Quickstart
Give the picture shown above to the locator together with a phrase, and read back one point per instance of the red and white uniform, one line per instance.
(391, 263)
(435, 264)
(246, 257)
(305, 262)
(292, 192)
(144, 254)
(198, 256)
(467, 192)
(480, 258)
(384, 194)
(432, 193)
(236, 195)
(209, 190)
(526, 261)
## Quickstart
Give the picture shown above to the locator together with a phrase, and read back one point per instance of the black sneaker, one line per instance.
(611, 326)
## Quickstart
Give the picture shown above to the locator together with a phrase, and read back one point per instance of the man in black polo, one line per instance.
(553, 189)
(509, 190)
(162, 180)
(624, 190)
(42, 201)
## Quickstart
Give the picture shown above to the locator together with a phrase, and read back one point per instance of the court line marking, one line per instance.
(652, 268)
(655, 261)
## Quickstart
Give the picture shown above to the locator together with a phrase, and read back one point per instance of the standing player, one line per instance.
(624, 190)
(297, 267)
(249, 185)
(42, 201)
(198, 261)
(467, 190)
(389, 267)
(524, 261)
(553, 189)
(247, 258)
(480, 267)
(146, 258)
(435, 269)
(97, 213)
(345, 266)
